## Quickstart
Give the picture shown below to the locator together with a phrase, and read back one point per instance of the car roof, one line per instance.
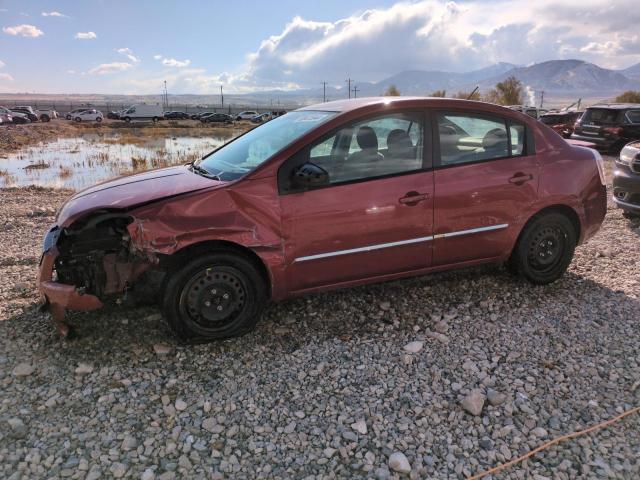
(369, 103)
(616, 106)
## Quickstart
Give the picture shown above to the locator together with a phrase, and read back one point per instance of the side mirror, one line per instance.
(309, 175)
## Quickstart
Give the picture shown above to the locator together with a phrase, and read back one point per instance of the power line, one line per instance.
(221, 97)
(348, 80)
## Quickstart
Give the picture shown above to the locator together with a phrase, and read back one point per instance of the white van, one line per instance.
(142, 112)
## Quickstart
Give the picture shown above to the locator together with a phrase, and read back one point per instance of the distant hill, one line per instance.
(632, 72)
(568, 77)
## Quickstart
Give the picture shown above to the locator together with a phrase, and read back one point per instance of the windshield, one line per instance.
(250, 150)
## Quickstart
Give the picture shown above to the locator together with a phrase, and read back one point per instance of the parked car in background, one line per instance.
(72, 114)
(609, 126)
(113, 115)
(46, 115)
(5, 115)
(142, 112)
(198, 116)
(263, 117)
(527, 110)
(20, 118)
(216, 118)
(561, 122)
(176, 116)
(247, 115)
(91, 115)
(29, 113)
(626, 180)
(277, 113)
(328, 196)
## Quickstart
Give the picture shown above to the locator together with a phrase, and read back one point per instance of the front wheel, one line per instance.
(545, 248)
(155, 119)
(216, 296)
(78, 119)
(44, 118)
(127, 119)
(99, 119)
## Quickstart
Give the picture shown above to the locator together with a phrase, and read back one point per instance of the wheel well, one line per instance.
(565, 210)
(176, 260)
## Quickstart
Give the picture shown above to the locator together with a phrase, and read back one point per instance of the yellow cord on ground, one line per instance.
(553, 442)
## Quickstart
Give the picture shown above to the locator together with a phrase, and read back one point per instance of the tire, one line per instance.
(155, 119)
(98, 119)
(127, 119)
(68, 117)
(545, 248)
(45, 118)
(225, 280)
(77, 119)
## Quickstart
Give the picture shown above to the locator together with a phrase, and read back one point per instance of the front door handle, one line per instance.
(413, 198)
(520, 178)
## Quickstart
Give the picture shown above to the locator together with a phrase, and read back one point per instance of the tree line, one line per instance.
(508, 92)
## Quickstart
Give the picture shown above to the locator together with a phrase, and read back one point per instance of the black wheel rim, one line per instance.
(546, 249)
(213, 298)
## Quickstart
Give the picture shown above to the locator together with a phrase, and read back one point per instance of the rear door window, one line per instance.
(466, 138)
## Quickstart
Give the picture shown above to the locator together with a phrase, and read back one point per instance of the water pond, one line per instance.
(79, 162)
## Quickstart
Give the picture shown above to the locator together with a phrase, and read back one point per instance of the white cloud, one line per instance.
(445, 35)
(129, 54)
(6, 77)
(54, 14)
(71, 72)
(2, 64)
(85, 35)
(172, 62)
(113, 67)
(23, 30)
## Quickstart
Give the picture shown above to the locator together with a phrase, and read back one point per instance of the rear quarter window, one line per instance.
(633, 116)
(600, 116)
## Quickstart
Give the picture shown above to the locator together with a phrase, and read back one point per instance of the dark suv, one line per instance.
(561, 122)
(609, 126)
(626, 180)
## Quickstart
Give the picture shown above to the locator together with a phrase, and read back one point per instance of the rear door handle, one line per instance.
(413, 198)
(520, 178)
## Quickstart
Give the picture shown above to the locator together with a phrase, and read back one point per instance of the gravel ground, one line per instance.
(443, 376)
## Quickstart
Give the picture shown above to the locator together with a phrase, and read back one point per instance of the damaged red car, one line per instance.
(332, 195)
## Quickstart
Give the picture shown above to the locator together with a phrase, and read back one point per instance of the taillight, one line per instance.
(576, 125)
(613, 130)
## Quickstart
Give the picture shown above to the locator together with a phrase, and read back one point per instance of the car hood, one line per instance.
(126, 192)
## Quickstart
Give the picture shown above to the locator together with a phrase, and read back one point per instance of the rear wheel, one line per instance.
(98, 119)
(78, 119)
(545, 248)
(44, 118)
(127, 119)
(155, 119)
(216, 296)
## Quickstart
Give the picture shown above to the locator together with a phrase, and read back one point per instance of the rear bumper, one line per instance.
(626, 189)
(60, 297)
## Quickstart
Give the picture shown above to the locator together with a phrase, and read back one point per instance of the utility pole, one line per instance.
(166, 96)
(348, 80)
(324, 92)
(355, 91)
(541, 98)
(221, 97)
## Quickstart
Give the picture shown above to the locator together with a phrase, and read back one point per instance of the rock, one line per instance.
(290, 428)
(23, 370)
(18, 428)
(441, 327)
(329, 452)
(129, 443)
(399, 463)
(539, 432)
(94, 474)
(148, 474)
(385, 306)
(438, 336)
(180, 405)
(161, 349)
(413, 347)
(474, 402)
(350, 436)
(211, 425)
(360, 426)
(118, 469)
(495, 398)
(84, 369)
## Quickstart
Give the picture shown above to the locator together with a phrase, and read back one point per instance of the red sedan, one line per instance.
(327, 196)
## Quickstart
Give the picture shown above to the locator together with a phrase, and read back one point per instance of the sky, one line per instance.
(132, 47)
